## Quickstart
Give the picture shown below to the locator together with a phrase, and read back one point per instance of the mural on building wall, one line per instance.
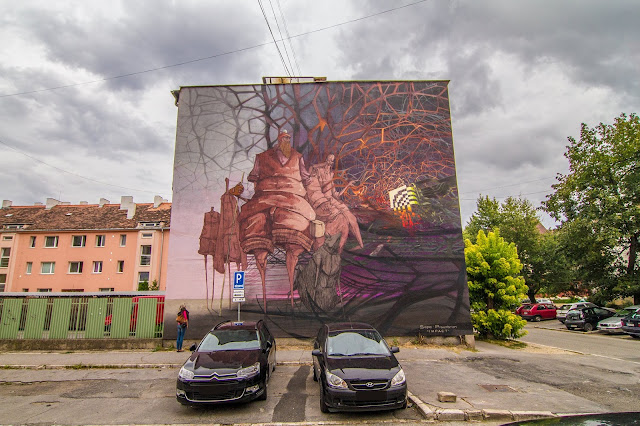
(337, 199)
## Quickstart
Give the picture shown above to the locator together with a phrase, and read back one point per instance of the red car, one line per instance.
(522, 307)
(539, 311)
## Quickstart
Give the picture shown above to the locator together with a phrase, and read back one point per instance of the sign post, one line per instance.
(238, 289)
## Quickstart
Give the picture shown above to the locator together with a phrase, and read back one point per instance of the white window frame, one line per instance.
(106, 289)
(97, 266)
(101, 240)
(29, 268)
(7, 237)
(147, 235)
(120, 266)
(140, 274)
(50, 270)
(82, 242)
(55, 241)
(32, 242)
(5, 256)
(145, 258)
(75, 267)
(123, 240)
(3, 282)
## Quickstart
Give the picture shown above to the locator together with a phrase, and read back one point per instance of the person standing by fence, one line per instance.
(183, 322)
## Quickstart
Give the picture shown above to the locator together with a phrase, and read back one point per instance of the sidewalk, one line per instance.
(479, 396)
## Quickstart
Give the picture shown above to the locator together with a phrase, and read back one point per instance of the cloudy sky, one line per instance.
(86, 110)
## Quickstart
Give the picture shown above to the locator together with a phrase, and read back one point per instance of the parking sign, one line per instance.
(238, 280)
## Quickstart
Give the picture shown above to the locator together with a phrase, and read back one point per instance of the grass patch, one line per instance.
(511, 344)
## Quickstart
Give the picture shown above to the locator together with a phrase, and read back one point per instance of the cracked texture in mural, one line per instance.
(409, 273)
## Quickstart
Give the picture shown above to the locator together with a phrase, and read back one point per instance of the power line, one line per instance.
(72, 173)
(284, 45)
(286, 30)
(274, 38)
(216, 55)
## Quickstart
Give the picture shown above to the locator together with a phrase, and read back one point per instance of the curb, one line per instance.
(453, 414)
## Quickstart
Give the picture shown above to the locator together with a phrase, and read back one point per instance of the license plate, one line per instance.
(371, 395)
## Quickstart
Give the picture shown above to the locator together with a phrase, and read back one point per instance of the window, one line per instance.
(75, 267)
(14, 226)
(25, 290)
(50, 241)
(73, 290)
(44, 290)
(78, 240)
(29, 266)
(3, 282)
(107, 289)
(47, 267)
(4, 257)
(123, 240)
(97, 267)
(100, 239)
(147, 235)
(143, 277)
(120, 266)
(32, 243)
(145, 255)
(7, 237)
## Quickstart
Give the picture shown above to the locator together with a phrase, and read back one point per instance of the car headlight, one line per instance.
(186, 374)
(250, 371)
(399, 378)
(335, 381)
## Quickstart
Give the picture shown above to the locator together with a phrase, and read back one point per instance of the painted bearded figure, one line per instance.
(278, 213)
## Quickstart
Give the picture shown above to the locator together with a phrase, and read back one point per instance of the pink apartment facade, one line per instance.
(59, 247)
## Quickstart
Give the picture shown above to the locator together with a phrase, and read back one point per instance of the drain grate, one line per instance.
(497, 388)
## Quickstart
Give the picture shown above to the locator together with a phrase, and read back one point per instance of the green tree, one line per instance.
(518, 222)
(598, 203)
(143, 286)
(495, 286)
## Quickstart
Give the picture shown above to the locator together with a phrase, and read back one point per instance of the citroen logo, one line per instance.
(369, 384)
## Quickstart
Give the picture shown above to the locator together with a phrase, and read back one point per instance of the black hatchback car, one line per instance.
(586, 318)
(232, 363)
(357, 370)
(631, 324)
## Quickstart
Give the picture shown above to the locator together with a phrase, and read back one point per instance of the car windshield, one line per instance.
(228, 340)
(356, 342)
(565, 307)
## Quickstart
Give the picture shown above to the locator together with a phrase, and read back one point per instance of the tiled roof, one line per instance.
(84, 216)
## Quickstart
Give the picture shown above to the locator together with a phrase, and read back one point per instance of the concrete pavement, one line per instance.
(429, 370)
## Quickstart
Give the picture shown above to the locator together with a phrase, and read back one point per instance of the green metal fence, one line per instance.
(81, 316)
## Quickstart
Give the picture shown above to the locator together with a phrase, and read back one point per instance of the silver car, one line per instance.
(614, 324)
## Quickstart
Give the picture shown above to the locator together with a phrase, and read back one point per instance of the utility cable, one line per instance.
(286, 30)
(284, 44)
(274, 39)
(244, 49)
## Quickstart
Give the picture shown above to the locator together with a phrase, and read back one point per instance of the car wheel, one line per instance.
(264, 386)
(569, 328)
(588, 327)
(635, 336)
(323, 404)
(537, 318)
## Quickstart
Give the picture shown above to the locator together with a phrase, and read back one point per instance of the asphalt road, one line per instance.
(147, 396)
(554, 333)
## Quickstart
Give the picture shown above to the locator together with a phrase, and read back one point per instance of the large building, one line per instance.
(59, 247)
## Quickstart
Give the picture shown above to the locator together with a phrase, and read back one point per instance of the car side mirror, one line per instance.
(267, 346)
(316, 352)
(395, 349)
(192, 348)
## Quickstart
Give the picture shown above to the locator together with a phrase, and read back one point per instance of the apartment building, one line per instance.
(59, 247)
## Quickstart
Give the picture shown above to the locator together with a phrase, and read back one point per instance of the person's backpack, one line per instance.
(180, 318)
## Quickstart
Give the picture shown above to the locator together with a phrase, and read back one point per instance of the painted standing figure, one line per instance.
(328, 206)
(278, 214)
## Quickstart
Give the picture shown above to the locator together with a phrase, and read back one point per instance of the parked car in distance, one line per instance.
(539, 311)
(522, 307)
(614, 324)
(356, 369)
(631, 324)
(232, 363)
(562, 310)
(543, 300)
(587, 318)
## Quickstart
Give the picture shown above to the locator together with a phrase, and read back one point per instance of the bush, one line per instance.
(501, 324)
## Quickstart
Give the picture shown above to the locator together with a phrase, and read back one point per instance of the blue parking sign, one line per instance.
(238, 280)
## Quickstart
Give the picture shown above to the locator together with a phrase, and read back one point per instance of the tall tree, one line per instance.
(495, 286)
(518, 223)
(598, 202)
